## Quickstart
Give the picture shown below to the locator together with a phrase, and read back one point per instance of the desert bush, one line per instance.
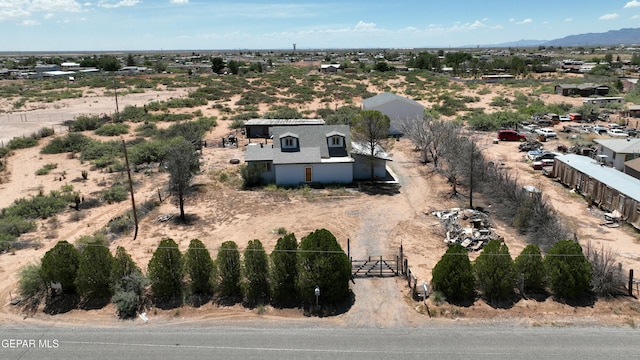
(606, 272)
(16, 225)
(112, 129)
(568, 269)
(250, 174)
(86, 122)
(453, 275)
(133, 113)
(323, 263)
(229, 269)
(116, 193)
(21, 143)
(72, 142)
(39, 206)
(121, 224)
(30, 281)
(129, 294)
(147, 129)
(46, 169)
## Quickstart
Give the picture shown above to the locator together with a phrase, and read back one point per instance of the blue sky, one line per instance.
(70, 25)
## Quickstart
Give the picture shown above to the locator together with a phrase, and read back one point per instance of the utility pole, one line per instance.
(133, 202)
(115, 92)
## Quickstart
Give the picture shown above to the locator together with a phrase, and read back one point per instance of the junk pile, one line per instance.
(474, 235)
(530, 145)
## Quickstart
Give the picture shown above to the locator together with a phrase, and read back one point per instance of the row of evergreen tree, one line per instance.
(287, 277)
(564, 270)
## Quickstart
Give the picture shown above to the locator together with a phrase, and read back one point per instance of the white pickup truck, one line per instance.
(546, 132)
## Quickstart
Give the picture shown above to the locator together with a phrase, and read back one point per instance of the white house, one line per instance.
(396, 107)
(616, 152)
(311, 154)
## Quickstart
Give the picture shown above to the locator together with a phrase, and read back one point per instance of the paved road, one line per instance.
(256, 341)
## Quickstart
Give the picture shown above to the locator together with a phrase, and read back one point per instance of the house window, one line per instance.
(289, 142)
(267, 166)
(335, 141)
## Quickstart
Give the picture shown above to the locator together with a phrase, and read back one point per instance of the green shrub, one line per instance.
(228, 265)
(31, 282)
(112, 130)
(86, 122)
(453, 275)
(494, 271)
(529, 269)
(72, 142)
(16, 225)
(39, 206)
(568, 269)
(322, 262)
(284, 270)
(116, 193)
(256, 271)
(46, 169)
(22, 143)
(165, 271)
(93, 278)
(199, 267)
(60, 265)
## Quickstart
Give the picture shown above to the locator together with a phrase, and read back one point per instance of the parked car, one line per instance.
(617, 133)
(547, 133)
(531, 155)
(511, 135)
(565, 118)
(599, 129)
(539, 165)
(546, 155)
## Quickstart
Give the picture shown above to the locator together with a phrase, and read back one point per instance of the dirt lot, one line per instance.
(375, 222)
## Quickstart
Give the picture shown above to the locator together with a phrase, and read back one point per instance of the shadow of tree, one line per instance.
(331, 310)
(94, 304)
(197, 300)
(389, 189)
(168, 303)
(60, 304)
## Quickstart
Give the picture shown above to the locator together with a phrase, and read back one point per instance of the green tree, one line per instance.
(256, 271)
(130, 60)
(284, 270)
(494, 271)
(217, 64)
(323, 263)
(382, 66)
(182, 162)
(529, 268)
(371, 128)
(109, 63)
(568, 269)
(199, 268)
(123, 265)
(165, 271)
(60, 265)
(229, 267)
(93, 279)
(453, 275)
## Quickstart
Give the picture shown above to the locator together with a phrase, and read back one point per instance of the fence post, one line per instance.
(349, 248)
(380, 265)
(631, 282)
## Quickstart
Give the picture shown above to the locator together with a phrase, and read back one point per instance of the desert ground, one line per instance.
(375, 223)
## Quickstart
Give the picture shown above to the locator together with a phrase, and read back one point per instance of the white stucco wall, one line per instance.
(293, 175)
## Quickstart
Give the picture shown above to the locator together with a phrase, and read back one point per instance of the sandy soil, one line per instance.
(375, 224)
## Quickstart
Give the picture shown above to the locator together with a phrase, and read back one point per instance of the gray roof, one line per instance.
(583, 86)
(620, 146)
(621, 182)
(312, 141)
(284, 122)
(386, 97)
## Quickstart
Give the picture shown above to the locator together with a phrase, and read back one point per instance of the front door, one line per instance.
(307, 174)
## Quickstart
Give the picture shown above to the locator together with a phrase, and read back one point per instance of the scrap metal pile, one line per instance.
(474, 235)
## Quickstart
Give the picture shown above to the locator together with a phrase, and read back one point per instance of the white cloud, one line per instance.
(476, 25)
(632, 4)
(12, 9)
(512, 20)
(48, 16)
(122, 3)
(568, 19)
(609, 16)
(29, 22)
(525, 21)
(179, 1)
(363, 26)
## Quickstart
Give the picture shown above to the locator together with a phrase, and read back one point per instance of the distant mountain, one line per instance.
(612, 37)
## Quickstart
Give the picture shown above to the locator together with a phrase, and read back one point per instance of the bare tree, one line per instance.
(182, 162)
(606, 273)
(429, 134)
(371, 128)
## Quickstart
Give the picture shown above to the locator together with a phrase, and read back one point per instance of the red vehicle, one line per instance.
(510, 135)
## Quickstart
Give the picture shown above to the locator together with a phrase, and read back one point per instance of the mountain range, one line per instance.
(613, 37)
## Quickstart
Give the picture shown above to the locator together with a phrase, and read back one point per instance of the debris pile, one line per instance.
(474, 236)
(530, 145)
